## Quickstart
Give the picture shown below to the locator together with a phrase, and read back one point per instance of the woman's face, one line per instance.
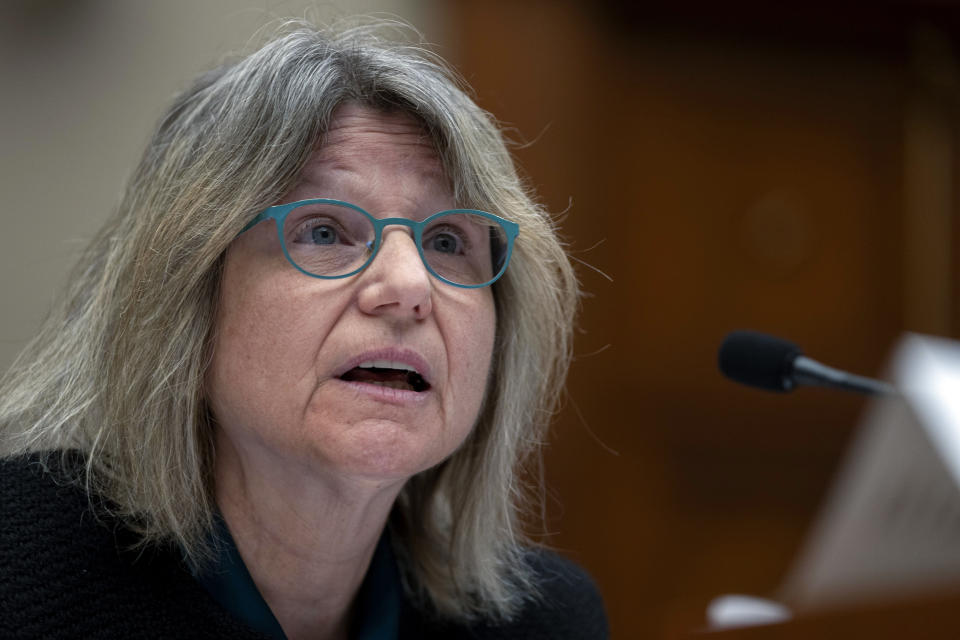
(286, 382)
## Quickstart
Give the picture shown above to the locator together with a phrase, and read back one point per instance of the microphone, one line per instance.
(758, 360)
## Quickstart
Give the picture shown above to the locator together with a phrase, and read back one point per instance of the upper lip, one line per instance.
(394, 356)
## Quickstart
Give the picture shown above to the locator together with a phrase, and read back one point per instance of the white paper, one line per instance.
(891, 525)
(735, 610)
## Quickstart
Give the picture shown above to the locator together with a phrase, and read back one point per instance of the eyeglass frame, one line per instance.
(279, 212)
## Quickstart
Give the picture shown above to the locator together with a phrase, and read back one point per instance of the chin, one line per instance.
(385, 450)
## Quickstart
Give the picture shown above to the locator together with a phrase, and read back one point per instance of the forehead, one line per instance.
(363, 138)
(383, 161)
(352, 122)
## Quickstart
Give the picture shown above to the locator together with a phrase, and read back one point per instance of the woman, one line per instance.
(291, 382)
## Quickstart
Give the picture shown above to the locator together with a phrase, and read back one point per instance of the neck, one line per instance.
(306, 539)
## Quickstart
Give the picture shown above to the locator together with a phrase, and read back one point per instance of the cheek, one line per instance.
(470, 357)
(258, 336)
(265, 347)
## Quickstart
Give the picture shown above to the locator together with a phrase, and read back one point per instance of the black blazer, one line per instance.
(65, 574)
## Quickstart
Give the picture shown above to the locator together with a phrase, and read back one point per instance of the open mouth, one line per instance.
(394, 376)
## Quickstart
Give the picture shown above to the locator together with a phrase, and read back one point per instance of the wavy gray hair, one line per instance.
(117, 371)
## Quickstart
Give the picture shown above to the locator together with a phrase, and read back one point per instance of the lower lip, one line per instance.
(388, 395)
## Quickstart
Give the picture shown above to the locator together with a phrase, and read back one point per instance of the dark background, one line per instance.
(788, 167)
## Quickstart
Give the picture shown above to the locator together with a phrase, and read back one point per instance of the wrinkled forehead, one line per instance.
(360, 131)
(366, 148)
(353, 118)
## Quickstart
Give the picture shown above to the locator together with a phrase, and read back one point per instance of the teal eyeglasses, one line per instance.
(329, 239)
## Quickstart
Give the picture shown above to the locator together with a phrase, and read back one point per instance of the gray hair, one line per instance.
(118, 369)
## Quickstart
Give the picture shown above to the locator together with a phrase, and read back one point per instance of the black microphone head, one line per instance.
(758, 360)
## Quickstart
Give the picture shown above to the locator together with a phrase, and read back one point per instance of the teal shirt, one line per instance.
(377, 612)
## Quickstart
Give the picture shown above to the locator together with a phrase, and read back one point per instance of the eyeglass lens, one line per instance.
(328, 239)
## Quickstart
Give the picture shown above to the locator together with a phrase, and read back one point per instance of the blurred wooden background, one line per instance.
(787, 167)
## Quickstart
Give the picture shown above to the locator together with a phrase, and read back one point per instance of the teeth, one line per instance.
(386, 364)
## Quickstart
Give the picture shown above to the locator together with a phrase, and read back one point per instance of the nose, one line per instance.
(396, 283)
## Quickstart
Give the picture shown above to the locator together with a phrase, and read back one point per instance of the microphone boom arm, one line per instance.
(807, 371)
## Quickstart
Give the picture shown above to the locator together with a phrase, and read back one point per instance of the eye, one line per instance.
(445, 242)
(318, 231)
(323, 234)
